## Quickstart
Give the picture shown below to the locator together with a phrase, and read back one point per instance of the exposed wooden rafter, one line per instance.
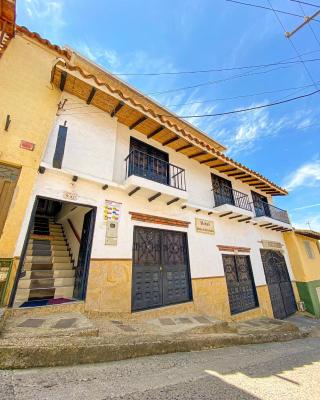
(174, 139)
(200, 153)
(159, 129)
(172, 201)
(218, 165)
(117, 108)
(228, 170)
(209, 160)
(63, 80)
(155, 196)
(134, 190)
(138, 122)
(244, 176)
(185, 147)
(91, 95)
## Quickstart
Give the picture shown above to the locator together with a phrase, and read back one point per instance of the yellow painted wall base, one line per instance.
(109, 286)
(109, 291)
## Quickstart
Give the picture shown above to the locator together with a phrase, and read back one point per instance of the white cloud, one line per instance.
(306, 175)
(308, 206)
(50, 11)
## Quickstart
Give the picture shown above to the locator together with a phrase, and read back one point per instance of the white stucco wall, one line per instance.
(205, 258)
(97, 146)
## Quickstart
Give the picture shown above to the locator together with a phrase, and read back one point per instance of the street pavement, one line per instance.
(265, 371)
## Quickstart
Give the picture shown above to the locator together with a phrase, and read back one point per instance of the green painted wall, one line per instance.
(308, 294)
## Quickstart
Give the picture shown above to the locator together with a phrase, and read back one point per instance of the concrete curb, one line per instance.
(96, 351)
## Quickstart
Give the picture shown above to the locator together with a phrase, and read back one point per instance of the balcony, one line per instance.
(232, 203)
(272, 217)
(154, 177)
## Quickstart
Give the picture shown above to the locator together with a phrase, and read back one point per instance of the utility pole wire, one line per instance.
(268, 8)
(219, 114)
(309, 25)
(306, 21)
(293, 46)
(307, 4)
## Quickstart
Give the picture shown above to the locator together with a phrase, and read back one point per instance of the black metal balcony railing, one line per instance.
(262, 208)
(142, 164)
(227, 195)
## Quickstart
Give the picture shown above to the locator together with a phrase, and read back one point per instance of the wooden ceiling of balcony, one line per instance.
(7, 16)
(130, 116)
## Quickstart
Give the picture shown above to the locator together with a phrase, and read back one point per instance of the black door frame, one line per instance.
(26, 239)
(187, 264)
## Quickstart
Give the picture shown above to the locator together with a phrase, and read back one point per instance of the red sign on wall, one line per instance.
(26, 145)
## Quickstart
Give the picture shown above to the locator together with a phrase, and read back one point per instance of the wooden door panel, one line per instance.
(160, 268)
(279, 283)
(241, 287)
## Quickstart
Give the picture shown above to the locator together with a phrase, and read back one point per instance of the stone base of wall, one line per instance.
(211, 297)
(109, 292)
(308, 294)
(109, 286)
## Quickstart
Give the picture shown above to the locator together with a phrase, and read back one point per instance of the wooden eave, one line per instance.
(8, 17)
(131, 113)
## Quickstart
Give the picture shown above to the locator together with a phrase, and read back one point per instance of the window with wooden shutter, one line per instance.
(8, 180)
(309, 249)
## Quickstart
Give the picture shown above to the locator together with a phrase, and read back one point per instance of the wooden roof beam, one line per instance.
(117, 108)
(150, 135)
(169, 141)
(219, 165)
(201, 153)
(209, 160)
(185, 147)
(228, 170)
(63, 79)
(91, 95)
(250, 180)
(244, 176)
(138, 122)
(237, 174)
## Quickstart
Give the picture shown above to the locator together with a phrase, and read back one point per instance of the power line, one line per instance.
(293, 45)
(240, 96)
(268, 8)
(310, 27)
(201, 71)
(208, 83)
(307, 4)
(252, 108)
(222, 113)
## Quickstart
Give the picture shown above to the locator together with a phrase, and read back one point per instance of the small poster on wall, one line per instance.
(111, 214)
(205, 226)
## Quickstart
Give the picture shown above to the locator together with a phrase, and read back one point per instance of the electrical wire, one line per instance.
(293, 46)
(221, 113)
(299, 88)
(307, 4)
(309, 25)
(201, 71)
(268, 8)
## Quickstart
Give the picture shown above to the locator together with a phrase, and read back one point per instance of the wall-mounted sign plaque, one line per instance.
(70, 196)
(205, 226)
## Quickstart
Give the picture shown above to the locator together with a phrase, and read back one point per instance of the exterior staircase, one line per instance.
(48, 270)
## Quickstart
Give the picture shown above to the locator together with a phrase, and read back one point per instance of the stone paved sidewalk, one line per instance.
(72, 338)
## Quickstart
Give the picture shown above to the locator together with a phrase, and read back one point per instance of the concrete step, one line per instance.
(63, 265)
(45, 283)
(38, 259)
(62, 259)
(42, 293)
(54, 273)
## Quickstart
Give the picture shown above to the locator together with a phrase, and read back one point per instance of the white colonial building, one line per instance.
(135, 209)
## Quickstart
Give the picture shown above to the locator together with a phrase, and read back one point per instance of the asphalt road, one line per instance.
(269, 371)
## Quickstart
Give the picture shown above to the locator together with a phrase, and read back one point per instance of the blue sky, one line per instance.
(142, 36)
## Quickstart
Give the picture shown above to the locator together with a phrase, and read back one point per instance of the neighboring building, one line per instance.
(304, 253)
(134, 208)
(28, 104)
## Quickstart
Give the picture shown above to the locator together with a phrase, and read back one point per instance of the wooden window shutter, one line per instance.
(8, 181)
(60, 145)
